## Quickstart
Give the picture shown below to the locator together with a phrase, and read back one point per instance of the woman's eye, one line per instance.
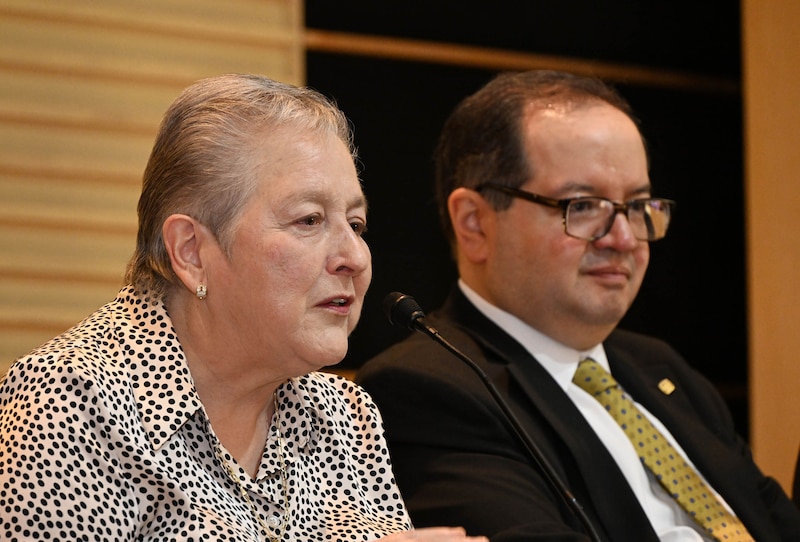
(359, 227)
(312, 220)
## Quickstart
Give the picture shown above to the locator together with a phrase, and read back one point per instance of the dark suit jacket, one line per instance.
(457, 462)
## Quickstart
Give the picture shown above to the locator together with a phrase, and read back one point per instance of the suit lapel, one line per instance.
(539, 400)
(712, 457)
(599, 475)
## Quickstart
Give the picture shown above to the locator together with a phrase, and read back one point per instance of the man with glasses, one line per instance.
(543, 188)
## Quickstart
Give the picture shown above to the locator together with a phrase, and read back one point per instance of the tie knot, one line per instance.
(591, 377)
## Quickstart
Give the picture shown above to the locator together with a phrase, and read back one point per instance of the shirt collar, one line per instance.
(299, 423)
(558, 359)
(165, 394)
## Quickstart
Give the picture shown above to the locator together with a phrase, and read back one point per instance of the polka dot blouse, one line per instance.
(103, 437)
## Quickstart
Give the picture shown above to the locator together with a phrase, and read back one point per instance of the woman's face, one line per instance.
(293, 288)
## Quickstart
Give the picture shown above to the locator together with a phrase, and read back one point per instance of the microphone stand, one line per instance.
(418, 322)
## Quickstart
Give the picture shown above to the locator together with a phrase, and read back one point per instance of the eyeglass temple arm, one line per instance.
(535, 198)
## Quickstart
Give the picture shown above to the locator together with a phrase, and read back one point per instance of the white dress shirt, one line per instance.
(669, 520)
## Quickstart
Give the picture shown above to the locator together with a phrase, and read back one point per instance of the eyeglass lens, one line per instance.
(592, 218)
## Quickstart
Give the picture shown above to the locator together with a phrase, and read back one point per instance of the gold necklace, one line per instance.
(284, 483)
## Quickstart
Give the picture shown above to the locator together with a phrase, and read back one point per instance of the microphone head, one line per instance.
(402, 309)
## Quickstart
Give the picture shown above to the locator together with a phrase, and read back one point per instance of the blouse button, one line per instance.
(274, 520)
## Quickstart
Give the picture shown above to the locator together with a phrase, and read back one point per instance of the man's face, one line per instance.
(572, 290)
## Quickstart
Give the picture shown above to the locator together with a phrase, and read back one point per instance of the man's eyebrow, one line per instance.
(571, 187)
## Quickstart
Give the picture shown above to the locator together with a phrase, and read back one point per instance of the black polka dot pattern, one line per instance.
(103, 437)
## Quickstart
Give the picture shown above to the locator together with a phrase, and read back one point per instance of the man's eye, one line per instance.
(583, 206)
(586, 206)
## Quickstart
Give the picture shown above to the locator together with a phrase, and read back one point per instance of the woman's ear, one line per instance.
(183, 237)
(470, 216)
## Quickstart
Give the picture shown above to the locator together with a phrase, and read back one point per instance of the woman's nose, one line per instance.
(352, 254)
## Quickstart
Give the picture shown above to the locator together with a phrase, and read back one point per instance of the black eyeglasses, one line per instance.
(590, 218)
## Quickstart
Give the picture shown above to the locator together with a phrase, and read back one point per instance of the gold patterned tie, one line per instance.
(679, 479)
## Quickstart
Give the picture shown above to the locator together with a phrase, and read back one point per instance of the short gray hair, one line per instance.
(202, 165)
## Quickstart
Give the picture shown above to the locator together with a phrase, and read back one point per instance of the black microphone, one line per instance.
(404, 309)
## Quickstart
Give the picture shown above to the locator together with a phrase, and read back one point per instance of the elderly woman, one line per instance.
(188, 408)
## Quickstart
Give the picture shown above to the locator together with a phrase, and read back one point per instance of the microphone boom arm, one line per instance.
(404, 306)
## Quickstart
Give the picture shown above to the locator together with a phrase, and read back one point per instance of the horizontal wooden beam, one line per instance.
(503, 59)
(56, 277)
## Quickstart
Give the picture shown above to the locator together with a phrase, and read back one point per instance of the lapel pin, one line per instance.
(666, 386)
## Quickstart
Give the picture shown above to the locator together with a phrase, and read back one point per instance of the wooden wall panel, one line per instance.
(83, 85)
(109, 104)
(771, 53)
(40, 201)
(58, 146)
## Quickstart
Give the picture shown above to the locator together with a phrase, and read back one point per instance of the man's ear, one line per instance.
(471, 217)
(183, 236)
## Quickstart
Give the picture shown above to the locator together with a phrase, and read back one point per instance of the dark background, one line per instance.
(694, 292)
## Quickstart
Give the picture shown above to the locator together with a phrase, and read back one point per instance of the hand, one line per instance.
(434, 534)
